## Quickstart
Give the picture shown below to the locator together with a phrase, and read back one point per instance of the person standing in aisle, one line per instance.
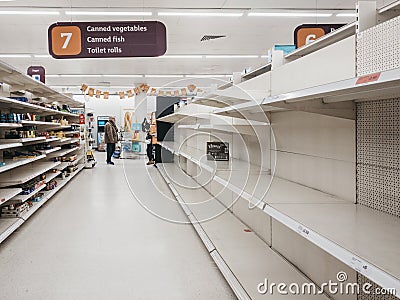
(149, 149)
(110, 138)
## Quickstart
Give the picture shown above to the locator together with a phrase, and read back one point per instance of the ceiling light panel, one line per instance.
(163, 76)
(232, 56)
(289, 14)
(28, 12)
(200, 14)
(108, 13)
(15, 56)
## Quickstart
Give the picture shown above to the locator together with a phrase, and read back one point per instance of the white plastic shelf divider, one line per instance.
(51, 175)
(53, 139)
(10, 125)
(11, 164)
(257, 72)
(48, 151)
(64, 140)
(7, 194)
(64, 152)
(39, 123)
(71, 132)
(23, 198)
(23, 175)
(62, 166)
(9, 146)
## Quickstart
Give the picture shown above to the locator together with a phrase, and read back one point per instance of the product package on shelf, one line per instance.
(14, 210)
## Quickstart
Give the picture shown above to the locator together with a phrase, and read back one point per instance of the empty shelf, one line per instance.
(7, 194)
(11, 164)
(22, 175)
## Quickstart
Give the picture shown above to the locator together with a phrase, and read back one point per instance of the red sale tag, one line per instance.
(81, 119)
(368, 78)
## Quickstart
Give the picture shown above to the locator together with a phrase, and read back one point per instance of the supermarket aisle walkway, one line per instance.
(94, 240)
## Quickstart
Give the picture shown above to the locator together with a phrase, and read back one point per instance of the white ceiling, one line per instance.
(245, 36)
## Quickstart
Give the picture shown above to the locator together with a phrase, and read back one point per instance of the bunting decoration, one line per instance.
(190, 90)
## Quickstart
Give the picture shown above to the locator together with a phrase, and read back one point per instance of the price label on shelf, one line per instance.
(368, 78)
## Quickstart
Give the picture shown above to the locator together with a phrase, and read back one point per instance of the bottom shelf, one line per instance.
(242, 257)
(9, 225)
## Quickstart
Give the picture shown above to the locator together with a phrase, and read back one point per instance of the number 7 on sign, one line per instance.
(67, 40)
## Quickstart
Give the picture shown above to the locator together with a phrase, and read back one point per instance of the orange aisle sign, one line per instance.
(107, 39)
(66, 40)
(307, 33)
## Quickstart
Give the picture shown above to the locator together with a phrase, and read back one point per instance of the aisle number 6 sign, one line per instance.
(66, 40)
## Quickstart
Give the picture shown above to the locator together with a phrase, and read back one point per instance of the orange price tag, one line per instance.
(368, 78)
(66, 40)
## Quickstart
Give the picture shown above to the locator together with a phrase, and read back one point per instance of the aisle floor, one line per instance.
(108, 235)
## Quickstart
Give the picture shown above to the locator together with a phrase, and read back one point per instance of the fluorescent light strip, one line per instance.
(108, 13)
(15, 56)
(42, 55)
(200, 14)
(232, 56)
(80, 75)
(122, 75)
(163, 76)
(181, 56)
(353, 15)
(28, 12)
(206, 76)
(288, 14)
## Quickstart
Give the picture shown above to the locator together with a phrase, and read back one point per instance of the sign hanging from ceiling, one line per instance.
(37, 73)
(107, 39)
(308, 33)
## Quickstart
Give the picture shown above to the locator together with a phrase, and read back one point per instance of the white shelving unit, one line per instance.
(41, 101)
(64, 152)
(9, 225)
(23, 198)
(11, 164)
(48, 151)
(7, 194)
(22, 175)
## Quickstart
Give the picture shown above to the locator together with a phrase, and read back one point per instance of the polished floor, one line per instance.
(114, 232)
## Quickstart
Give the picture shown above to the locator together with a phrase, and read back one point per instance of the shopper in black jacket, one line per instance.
(149, 150)
(110, 138)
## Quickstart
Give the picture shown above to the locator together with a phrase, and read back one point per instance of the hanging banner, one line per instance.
(107, 39)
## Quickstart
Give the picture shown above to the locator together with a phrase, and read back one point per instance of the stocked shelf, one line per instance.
(22, 175)
(29, 107)
(324, 41)
(7, 194)
(11, 164)
(23, 198)
(71, 132)
(9, 225)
